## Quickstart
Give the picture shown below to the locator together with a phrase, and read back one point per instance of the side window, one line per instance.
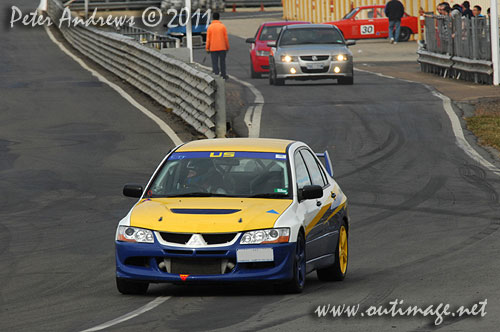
(365, 14)
(312, 166)
(380, 13)
(301, 172)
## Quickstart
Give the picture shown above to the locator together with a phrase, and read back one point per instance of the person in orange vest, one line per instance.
(217, 45)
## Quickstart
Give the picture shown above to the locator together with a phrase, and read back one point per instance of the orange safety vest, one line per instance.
(217, 37)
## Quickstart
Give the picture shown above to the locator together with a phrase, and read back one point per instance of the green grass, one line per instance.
(485, 124)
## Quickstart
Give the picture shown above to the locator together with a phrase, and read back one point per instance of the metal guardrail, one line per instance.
(148, 38)
(457, 47)
(194, 95)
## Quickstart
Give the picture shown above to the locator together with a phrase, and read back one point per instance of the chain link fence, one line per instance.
(458, 47)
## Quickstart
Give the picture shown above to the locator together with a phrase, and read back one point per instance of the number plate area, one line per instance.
(315, 66)
(367, 29)
(255, 255)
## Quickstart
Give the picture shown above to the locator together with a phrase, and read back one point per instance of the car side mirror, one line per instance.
(250, 40)
(271, 44)
(350, 42)
(133, 190)
(310, 192)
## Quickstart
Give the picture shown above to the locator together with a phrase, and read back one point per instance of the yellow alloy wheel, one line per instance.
(343, 249)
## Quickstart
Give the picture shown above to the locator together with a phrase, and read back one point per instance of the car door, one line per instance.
(319, 232)
(307, 209)
(381, 23)
(364, 24)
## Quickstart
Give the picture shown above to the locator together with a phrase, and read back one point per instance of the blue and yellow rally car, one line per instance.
(237, 209)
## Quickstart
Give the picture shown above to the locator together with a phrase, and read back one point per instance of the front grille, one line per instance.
(178, 252)
(211, 252)
(195, 266)
(175, 237)
(318, 57)
(314, 71)
(211, 239)
(218, 238)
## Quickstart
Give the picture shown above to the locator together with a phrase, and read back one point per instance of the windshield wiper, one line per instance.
(269, 195)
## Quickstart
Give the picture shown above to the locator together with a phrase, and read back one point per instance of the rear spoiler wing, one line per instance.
(327, 162)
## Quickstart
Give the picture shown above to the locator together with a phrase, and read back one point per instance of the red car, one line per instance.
(259, 51)
(367, 22)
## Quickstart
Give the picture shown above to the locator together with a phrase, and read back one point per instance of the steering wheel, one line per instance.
(197, 187)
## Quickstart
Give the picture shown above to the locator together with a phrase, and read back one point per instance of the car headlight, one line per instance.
(262, 53)
(288, 58)
(341, 57)
(134, 234)
(273, 235)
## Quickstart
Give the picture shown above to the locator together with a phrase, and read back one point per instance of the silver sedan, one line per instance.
(309, 52)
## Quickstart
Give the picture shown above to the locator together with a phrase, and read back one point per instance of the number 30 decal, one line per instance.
(367, 29)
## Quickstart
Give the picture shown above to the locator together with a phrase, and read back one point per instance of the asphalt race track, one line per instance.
(425, 217)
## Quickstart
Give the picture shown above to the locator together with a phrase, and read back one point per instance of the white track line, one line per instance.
(455, 124)
(165, 127)
(149, 306)
(253, 114)
(170, 133)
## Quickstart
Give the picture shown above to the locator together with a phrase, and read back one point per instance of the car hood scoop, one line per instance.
(204, 211)
(207, 214)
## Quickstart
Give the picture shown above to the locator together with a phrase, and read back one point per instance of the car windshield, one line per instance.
(310, 36)
(350, 14)
(222, 174)
(270, 32)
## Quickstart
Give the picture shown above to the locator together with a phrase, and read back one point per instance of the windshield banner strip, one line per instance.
(227, 154)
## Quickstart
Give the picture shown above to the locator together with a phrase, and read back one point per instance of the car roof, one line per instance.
(302, 26)
(371, 6)
(237, 144)
(284, 23)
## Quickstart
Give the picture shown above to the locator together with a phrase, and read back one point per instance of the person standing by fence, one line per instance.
(466, 12)
(477, 11)
(394, 10)
(217, 45)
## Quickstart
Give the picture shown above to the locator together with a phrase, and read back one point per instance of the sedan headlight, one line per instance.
(262, 53)
(341, 57)
(274, 235)
(134, 234)
(288, 58)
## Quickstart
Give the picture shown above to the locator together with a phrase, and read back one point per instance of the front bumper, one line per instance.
(260, 63)
(142, 261)
(303, 73)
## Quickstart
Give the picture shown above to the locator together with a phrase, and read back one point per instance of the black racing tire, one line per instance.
(338, 270)
(253, 73)
(404, 34)
(279, 81)
(296, 285)
(271, 76)
(347, 80)
(128, 287)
